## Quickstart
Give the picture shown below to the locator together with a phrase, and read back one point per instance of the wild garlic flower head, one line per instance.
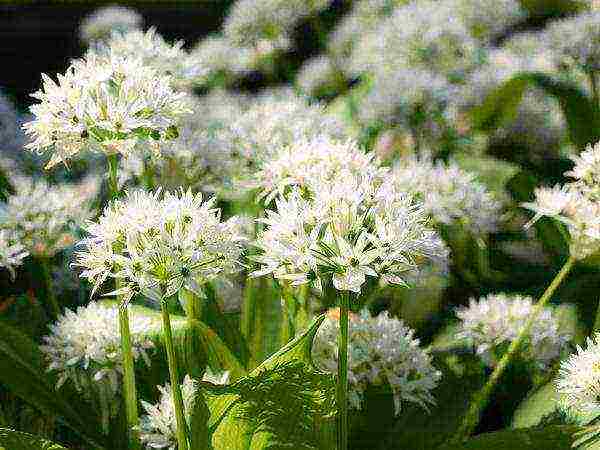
(574, 40)
(449, 194)
(276, 120)
(349, 230)
(220, 58)
(158, 427)
(423, 35)
(84, 347)
(156, 244)
(491, 323)
(104, 103)
(103, 22)
(307, 164)
(12, 252)
(578, 383)
(47, 217)
(155, 52)
(317, 74)
(487, 19)
(381, 350)
(576, 204)
(267, 25)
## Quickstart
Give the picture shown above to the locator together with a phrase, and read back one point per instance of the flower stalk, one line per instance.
(342, 387)
(480, 400)
(129, 390)
(48, 285)
(181, 434)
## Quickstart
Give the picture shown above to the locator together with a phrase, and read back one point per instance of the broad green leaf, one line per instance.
(500, 106)
(284, 403)
(14, 440)
(547, 438)
(23, 372)
(492, 172)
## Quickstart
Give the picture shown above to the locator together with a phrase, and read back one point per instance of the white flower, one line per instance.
(84, 346)
(449, 194)
(381, 350)
(103, 22)
(12, 252)
(578, 383)
(104, 103)
(309, 163)
(347, 229)
(493, 322)
(550, 202)
(221, 58)
(587, 166)
(488, 18)
(158, 245)
(46, 217)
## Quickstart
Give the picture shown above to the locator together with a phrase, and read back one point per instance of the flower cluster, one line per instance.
(12, 252)
(46, 217)
(491, 323)
(381, 350)
(84, 347)
(318, 74)
(576, 204)
(221, 60)
(155, 244)
(151, 48)
(579, 379)
(104, 103)
(449, 194)
(349, 229)
(103, 22)
(308, 164)
(158, 426)
(489, 18)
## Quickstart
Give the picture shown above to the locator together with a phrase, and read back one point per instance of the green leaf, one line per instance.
(14, 440)
(284, 403)
(23, 372)
(500, 106)
(547, 438)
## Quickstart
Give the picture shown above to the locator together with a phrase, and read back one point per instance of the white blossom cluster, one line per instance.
(46, 217)
(381, 350)
(575, 40)
(491, 323)
(487, 19)
(12, 252)
(221, 58)
(155, 52)
(578, 383)
(84, 346)
(351, 228)
(449, 194)
(308, 164)
(104, 103)
(576, 204)
(266, 25)
(102, 23)
(156, 244)
(158, 426)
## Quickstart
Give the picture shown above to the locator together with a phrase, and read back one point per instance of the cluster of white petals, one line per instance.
(46, 217)
(308, 164)
(348, 229)
(381, 351)
(491, 323)
(12, 252)
(103, 22)
(158, 426)
(576, 204)
(487, 19)
(578, 384)
(155, 52)
(84, 346)
(221, 58)
(449, 194)
(104, 103)
(156, 244)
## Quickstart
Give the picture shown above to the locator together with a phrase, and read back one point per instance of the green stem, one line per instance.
(342, 387)
(480, 400)
(288, 324)
(174, 375)
(47, 274)
(594, 86)
(129, 391)
(113, 183)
